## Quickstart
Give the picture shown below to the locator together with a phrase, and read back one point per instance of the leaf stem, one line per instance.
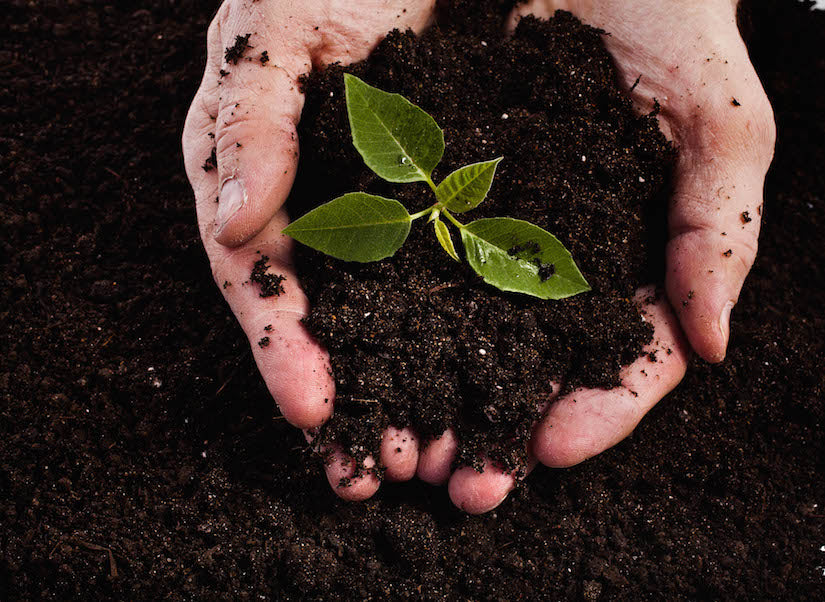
(431, 184)
(455, 222)
(426, 211)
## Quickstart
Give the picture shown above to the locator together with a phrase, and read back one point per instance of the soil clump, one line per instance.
(423, 338)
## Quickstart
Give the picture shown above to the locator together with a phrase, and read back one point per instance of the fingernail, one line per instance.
(724, 321)
(232, 198)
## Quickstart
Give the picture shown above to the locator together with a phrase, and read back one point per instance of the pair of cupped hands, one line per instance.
(691, 59)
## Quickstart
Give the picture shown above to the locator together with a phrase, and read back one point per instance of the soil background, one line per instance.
(141, 456)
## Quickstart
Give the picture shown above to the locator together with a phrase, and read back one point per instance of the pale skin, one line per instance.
(691, 59)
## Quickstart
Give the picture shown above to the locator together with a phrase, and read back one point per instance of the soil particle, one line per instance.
(211, 161)
(546, 270)
(271, 284)
(235, 52)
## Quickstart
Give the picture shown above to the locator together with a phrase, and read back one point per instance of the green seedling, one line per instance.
(401, 143)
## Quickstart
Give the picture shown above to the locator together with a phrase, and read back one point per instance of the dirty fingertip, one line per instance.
(340, 470)
(399, 454)
(436, 458)
(479, 492)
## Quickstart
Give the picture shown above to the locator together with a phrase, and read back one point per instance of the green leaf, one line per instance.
(354, 227)
(514, 255)
(398, 140)
(442, 233)
(465, 188)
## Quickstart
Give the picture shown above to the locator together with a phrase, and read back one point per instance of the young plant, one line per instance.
(401, 143)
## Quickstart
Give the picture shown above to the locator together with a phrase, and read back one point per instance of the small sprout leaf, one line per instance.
(354, 227)
(442, 233)
(398, 140)
(465, 188)
(517, 256)
(401, 143)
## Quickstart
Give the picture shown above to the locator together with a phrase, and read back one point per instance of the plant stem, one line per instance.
(455, 222)
(426, 211)
(431, 184)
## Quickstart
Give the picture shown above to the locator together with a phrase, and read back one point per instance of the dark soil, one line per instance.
(424, 337)
(141, 456)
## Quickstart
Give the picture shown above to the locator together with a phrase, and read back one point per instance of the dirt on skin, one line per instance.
(141, 456)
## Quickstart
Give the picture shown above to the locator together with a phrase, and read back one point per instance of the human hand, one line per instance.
(241, 149)
(583, 424)
(692, 60)
(688, 55)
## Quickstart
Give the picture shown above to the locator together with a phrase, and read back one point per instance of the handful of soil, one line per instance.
(420, 341)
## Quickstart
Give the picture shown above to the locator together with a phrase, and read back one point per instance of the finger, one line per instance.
(259, 107)
(198, 140)
(340, 470)
(586, 422)
(715, 216)
(436, 459)
(198, 143)
(336, 42)
(294, 366)
(479, 492)
(399, 454)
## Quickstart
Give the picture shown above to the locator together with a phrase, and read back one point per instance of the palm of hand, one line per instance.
(248, 115)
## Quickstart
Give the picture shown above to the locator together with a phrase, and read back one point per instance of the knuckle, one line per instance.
(196, 151)
(744, 264)
(247, 126)
(749, 126)
(236, 129)
(230, 15)
(215, 265)
(764, 126)
(213, 33)
(746, 255)
(218, 264)
(223, 17)
(196, 127)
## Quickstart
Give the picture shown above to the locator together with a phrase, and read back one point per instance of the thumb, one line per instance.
(255, 135)
(715, 217)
